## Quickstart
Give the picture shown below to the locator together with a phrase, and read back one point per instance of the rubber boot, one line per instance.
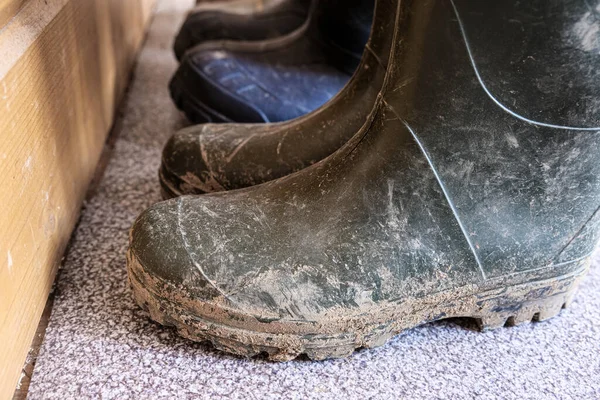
(279, 79)
(473, 191)
(214, 157)
(247, 20)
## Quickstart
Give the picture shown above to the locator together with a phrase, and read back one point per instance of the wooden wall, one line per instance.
(64, 65)
(8, 9)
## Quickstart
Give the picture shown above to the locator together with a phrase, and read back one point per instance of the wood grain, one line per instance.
(8, 9)
(64, 67)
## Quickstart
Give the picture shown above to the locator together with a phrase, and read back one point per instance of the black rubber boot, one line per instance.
(279, 79)
(215, 157)
(473, 191)
(248, 20)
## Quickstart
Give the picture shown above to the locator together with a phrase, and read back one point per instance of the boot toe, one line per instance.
(187, 165)
(210, 86)
(156, 245)
(216, 157)
(160, 258)
(177, 252)
(220, 85)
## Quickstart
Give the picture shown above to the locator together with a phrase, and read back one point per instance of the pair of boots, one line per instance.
(471, 188)
(307, 54)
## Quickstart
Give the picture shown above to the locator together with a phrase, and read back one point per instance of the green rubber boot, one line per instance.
(473, 190)
(216, 157)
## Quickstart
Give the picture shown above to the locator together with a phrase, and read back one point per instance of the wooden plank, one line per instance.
(64, 67)
(27, 371)
(8, 9)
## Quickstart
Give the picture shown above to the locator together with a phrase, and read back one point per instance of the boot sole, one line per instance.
(491, 309)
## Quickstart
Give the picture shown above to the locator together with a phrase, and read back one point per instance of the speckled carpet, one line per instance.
(99, 344)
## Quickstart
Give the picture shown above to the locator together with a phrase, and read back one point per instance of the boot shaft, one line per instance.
(502, 101)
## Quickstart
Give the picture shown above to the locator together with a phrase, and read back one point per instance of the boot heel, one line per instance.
(532, 302)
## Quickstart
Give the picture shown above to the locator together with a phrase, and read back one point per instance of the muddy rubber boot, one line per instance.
(472, 191)
(215, 157)
(279, 79)
(246, 20)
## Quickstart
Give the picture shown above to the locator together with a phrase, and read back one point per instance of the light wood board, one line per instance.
(8, 9)
(64, 66)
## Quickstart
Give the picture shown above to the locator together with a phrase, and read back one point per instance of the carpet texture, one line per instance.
(99, 344)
